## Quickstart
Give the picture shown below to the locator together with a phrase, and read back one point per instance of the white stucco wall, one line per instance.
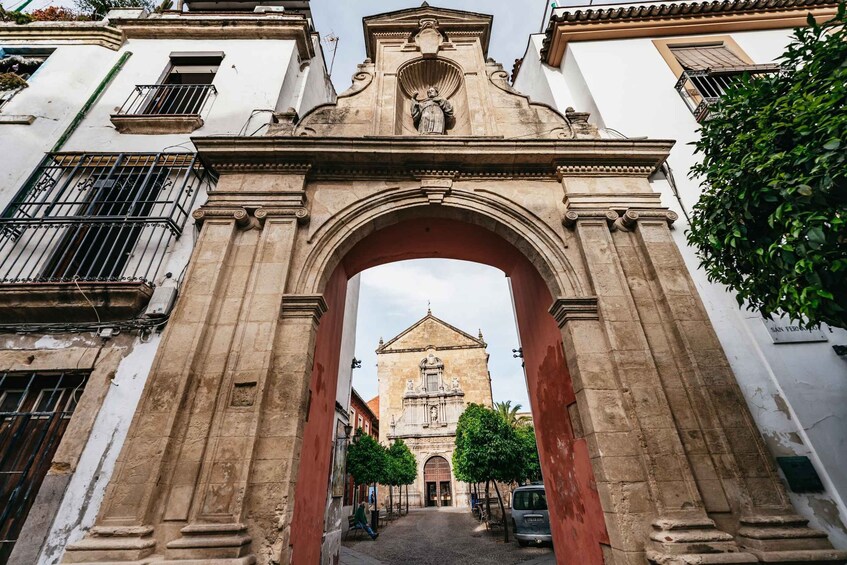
(796, 392)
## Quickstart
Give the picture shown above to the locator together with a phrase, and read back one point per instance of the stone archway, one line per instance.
(648, 448)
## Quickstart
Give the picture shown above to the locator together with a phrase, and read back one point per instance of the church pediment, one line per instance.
(427, 75)
(430, 332)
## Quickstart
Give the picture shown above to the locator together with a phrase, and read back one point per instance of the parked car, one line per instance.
(530, 518)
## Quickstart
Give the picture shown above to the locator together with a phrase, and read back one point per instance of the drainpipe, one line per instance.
(107, 80)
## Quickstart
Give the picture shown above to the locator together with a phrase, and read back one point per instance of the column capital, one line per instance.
(301, 214)
(565, 310)
(303, 306)
(240, 215)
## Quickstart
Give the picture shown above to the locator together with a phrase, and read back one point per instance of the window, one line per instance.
(17, 67)
(367, 428)
(98, 216)
(706, 68)
(360, 421)
(432, 382)
(530, 500)
(184, 88)
(35, 409)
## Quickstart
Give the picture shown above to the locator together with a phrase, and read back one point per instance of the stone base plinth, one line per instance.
(786, 539)
(690, 541)
(133, 545)
(219, 544)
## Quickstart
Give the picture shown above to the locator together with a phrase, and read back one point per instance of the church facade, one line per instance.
(427, 375)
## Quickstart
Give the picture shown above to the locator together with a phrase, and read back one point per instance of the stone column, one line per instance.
(123, 531)
(637, 453)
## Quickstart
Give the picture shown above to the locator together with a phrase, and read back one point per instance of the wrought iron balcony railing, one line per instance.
(167, 100)
(701, 89)
(98, 217)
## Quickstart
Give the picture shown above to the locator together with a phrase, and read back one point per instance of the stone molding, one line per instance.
(64, 33)
(155, 125)
(303, 306)
(276, 168)
(566, 310)
(601, 170)
(406, 156)
(295, 28)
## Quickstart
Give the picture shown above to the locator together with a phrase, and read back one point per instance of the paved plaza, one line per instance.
(440, 537)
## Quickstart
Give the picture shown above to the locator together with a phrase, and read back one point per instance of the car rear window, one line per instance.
(529, 500)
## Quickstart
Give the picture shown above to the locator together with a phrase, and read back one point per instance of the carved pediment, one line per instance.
(427, 75)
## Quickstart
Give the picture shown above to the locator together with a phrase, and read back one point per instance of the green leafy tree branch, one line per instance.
(771, 223)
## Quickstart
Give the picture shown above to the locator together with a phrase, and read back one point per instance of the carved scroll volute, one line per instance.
(429, 39)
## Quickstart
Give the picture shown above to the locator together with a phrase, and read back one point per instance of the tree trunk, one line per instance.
(503, 513)
(487, 500)
(407, 500)
(391, 500)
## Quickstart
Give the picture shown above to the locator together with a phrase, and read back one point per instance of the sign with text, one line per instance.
(783, 330)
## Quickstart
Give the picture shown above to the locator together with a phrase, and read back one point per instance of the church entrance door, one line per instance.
(438, 480)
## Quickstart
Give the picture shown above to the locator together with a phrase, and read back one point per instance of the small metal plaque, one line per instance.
(800, 474)
(783, 330)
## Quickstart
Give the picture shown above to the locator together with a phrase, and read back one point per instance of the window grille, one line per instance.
(700, 89)
(98, 217)
(35, 409)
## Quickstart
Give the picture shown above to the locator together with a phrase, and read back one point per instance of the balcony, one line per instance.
(701, 89)
(164, 108)
(87, 234)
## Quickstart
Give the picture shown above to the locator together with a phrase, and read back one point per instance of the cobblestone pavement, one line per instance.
(440, 537)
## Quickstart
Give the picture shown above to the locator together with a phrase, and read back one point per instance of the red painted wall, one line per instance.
(576, 515)
(307, 525)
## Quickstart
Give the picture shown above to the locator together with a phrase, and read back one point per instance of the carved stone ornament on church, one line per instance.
(433, 413)
(455, 383)
(431, 114)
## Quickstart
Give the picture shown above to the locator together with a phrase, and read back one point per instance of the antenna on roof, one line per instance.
(428, 308)
(332, 39)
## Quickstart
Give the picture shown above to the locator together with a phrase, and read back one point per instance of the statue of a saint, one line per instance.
(431, 114)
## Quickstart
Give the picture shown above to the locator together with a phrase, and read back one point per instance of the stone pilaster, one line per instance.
(123, 531)
(635, 444)
(232, 411)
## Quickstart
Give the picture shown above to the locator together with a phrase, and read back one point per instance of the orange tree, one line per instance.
(772, 220)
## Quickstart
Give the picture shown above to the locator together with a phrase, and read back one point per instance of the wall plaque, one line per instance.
(783, 330)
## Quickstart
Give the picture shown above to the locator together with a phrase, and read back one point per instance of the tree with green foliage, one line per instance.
(530, 465)
(402, 469)
(771, 223)
(367, 461)
(99, 8)
(509, 413)
(487, 450)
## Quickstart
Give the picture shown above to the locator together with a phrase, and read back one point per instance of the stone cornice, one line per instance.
(63, 33)
(232, 26)
(303, 306)
(687, 18)
(405, 157)
(565, 310)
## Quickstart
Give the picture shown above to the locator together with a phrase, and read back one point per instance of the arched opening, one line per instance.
(576, 517)
(437, 482)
